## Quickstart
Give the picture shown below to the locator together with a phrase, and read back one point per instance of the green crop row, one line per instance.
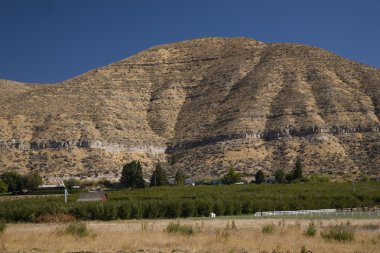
(173, 202)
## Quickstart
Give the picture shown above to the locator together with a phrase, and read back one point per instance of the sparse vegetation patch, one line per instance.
(311, 229)
(341, 232)
(267, 229)
(78, 229)
(176, 227)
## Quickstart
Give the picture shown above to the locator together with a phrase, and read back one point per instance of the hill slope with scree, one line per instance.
(203, 105)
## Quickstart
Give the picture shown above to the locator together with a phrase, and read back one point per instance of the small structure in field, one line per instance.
(51, 187)
(92, 196)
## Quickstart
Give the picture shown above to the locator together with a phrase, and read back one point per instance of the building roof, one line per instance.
(51, 186)
(92, 196)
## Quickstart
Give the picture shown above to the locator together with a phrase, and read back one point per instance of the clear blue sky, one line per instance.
(54, 40)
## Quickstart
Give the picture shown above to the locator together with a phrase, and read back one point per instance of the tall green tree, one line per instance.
(231, 177)
(297, 170)
(132, 176)
(180, 177)
(259, 177)
(31, 181)
(158, 177)
(280, 176)
(13, 181)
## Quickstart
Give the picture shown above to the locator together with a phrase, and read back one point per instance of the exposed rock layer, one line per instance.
(202, 105)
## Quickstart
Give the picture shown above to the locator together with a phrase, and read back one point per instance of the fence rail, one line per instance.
(321, 212)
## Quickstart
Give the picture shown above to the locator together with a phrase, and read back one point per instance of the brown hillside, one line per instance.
(202, 105)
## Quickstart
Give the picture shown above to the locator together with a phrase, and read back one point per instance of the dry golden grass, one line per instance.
(211, 236)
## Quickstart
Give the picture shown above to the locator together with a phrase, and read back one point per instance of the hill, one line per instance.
(202, 105)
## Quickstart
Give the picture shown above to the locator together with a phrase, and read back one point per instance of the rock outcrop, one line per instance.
(202, 105)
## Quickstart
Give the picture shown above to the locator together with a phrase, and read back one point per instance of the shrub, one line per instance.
(218, 208)
(311, 229)
(13, 181)
(342, 232)
(304, 250)
(110, 211)
(203, 207)
(172, 209)
(231, 177)
(267, 229)
(71, 182)
(3, 186)
(31, 181)
(180, 177)
(124, 211)
(297, 170)
(3, 225)
(188, 209)
(178, 228)
(158, 177)
(78, 229)
(259, 177)
(280, 176)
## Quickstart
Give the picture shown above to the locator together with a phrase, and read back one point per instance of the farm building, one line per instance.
(92, 196)
(51, 187)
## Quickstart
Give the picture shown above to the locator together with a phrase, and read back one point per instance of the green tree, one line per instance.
(180, 177)
(297, 170)
(158, 177)
(131, 175)
(69, 183)
(3, 186)
(231, 177)
(31, 181)
(13, 180)
(259, 177)
(280, 176)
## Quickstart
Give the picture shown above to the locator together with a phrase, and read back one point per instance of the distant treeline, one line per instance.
(188, 201)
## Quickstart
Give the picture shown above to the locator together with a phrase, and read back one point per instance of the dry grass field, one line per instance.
(210, 235)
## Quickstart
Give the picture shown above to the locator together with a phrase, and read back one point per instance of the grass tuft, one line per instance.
(3, 226)
(78, 229)
(311, 229)
(267, 229)
(176, 227)
(341, 232)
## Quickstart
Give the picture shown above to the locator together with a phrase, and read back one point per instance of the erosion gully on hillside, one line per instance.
(202, 105)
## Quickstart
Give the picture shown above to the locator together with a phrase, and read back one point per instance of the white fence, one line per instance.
(320, 212)
(298, 212)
